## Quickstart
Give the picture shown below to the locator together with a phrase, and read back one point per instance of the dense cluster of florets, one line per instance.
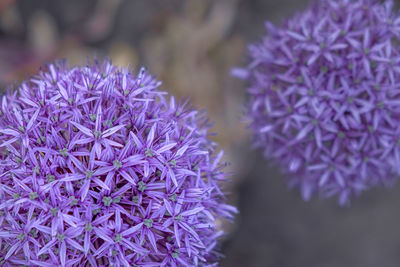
(324, 96)
(98, 168)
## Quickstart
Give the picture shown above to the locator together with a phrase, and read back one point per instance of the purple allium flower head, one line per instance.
(98, 168)
(324, 96)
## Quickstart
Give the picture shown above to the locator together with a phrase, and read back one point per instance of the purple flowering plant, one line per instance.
(99, 168)
(323, 96)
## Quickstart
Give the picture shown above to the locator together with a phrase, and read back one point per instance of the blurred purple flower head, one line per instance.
(98, 167)
(324, 96)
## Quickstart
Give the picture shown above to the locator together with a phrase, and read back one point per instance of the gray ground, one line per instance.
(276, 228)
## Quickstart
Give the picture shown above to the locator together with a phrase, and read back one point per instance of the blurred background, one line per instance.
(191, 46)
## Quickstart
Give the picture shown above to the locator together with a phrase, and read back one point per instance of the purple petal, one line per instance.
(63, 253)
(132, 230)
(83, 129)
(112, 130)
(13, 249)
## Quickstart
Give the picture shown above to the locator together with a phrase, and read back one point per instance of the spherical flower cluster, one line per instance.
(98, 168)
(324, 96)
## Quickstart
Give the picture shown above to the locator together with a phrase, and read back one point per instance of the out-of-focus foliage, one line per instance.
(189, 45)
